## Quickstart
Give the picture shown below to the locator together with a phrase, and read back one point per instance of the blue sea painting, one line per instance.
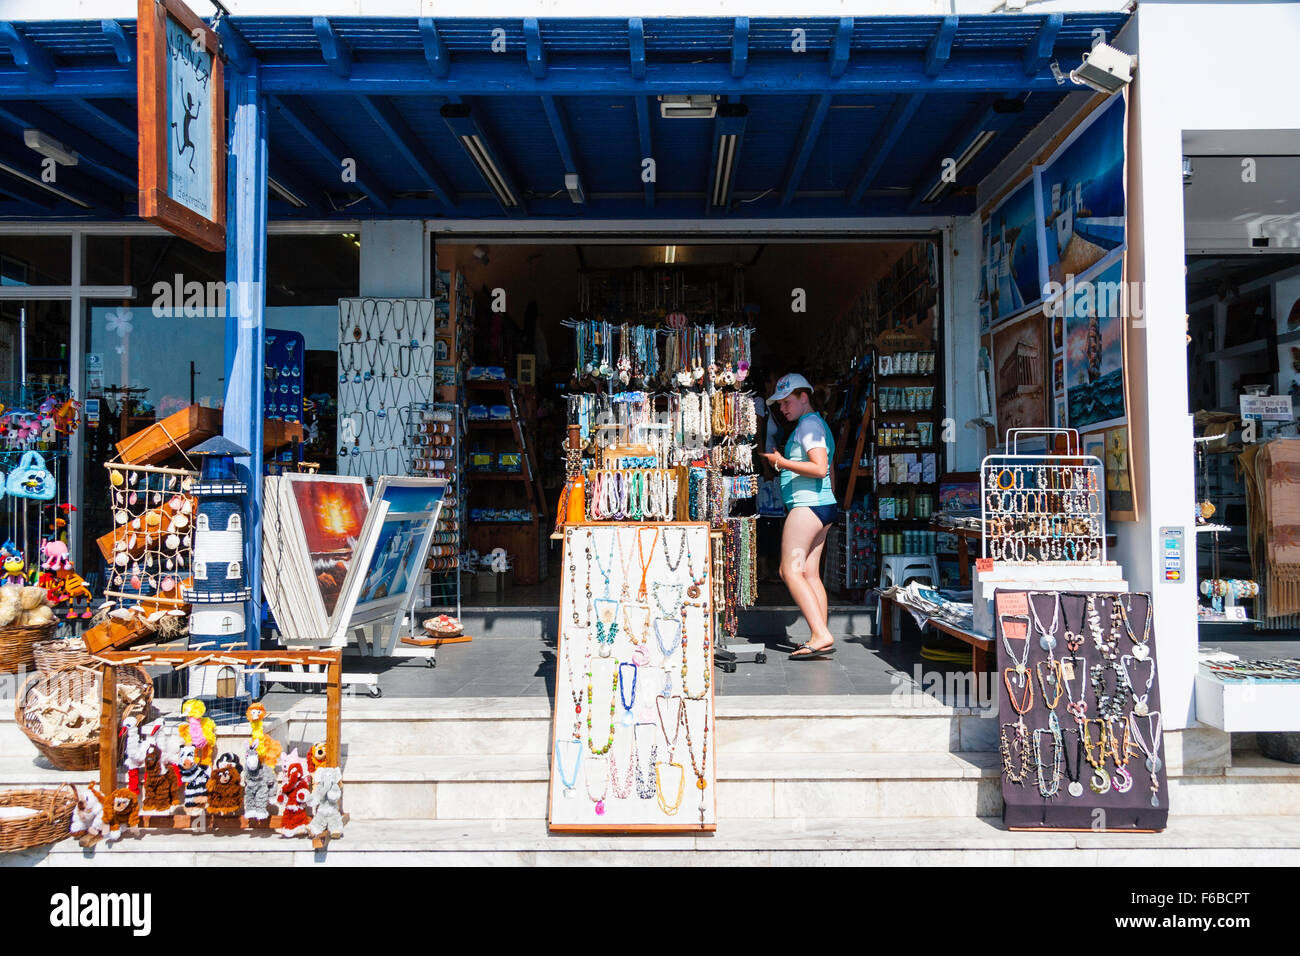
(1094, 348)
(1011, 254)
(1083, 195)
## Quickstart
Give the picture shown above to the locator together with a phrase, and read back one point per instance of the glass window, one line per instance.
(232, 571)
(201, 523)
(233, 523)
(200, 571)
(35, 260)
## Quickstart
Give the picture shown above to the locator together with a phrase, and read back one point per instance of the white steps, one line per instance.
(929, 841)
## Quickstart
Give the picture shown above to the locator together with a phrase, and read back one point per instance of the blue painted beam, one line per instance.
(409, 146)
(647, 146)
(435, 51)
(636, 47)
(813, 118)
(20, 190)
(985, 118)
(309, 126)
(559, 124)
(238, 53)
(900, 115)
(1039, 52)
(940, 48)
(740, 47)
(246, 209)
(36, 60)
(534, 51)
(839, 57)
(478, 147)
(129, 133)
(69, 180)
(336, 52)
(95, 158)
(123, 46)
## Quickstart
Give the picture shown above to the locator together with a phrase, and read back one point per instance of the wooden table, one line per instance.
(981, 646)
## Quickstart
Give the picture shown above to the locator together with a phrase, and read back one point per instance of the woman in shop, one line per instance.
(805, 470)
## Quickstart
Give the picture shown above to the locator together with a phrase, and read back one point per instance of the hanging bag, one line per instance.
(31, 479)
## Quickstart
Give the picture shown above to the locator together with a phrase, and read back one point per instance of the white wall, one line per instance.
(394, 258)
(962, 342)
(1202, 66)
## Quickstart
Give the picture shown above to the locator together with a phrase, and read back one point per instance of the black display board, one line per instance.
(1088, 660)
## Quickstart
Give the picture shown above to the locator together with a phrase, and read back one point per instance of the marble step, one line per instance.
(749, 786)
(1242, 840)
(541, 621)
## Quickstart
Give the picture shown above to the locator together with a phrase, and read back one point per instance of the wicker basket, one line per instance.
(77, 683)
(16, 645)
(50, 823)
(51, 655)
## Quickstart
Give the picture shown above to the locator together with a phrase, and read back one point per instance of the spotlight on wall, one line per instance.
(693, 106)
(49, 147)
(481, 254)
(1104, 69)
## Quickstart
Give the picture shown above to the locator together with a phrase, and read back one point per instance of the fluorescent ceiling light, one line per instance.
(474, 146)
(49, 147)
(692, 106)
(285, 194)
(981, 140)
(48, 187)
(670, 255)
(725, 167)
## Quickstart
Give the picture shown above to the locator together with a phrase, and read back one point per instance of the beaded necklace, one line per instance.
(1121, 780)
(624, 560)
(1073, 637)
(645, 782)
(573, 747)
(1140, 705)
(573, 582)
(1046, 636)
(637, 638)
(1111, 706)
(702, 767)
(1075, 788)
(575, 689)
(591, 693)
(1100, 782)
(677, 722)
(677, 603)
(622, 789)
(595, 554)
(606, 624)
(1140, 647)
(1053, 672)
(670, 809)
(603, 774)
(1054, 727)
(1153, 762)
(1077, 708)
(628, 703)
(1026, 702)
(693, 592)
(645, 565)
(1022, 740)
(706, 657)
(1020, 662)
(681, 549)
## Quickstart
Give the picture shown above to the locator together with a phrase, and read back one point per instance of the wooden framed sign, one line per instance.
(182, 122)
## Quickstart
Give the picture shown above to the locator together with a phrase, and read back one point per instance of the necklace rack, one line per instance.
(705, 667)
(603, 774)
(645, 781)
(613, 703)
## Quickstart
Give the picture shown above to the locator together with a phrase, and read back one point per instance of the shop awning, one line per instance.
(554, 119)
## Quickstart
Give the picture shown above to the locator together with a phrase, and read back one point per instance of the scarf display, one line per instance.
(1272, 473)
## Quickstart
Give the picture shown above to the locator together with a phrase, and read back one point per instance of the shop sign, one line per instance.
(902, 342)
(1266, 408)
(182, 124)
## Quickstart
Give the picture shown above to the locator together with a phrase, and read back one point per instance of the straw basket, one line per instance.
(16, 645)
(49, 824)
(74, 685)
(51, 655)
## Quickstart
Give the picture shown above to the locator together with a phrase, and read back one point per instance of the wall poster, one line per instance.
(1010, 278)
(1020, 373)
(633, 730)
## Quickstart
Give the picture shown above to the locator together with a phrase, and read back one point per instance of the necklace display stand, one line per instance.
(649, 668)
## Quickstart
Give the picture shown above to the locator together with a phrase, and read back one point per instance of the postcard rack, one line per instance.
(1043, 507)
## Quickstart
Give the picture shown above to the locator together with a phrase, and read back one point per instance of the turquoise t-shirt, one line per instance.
(800, 491)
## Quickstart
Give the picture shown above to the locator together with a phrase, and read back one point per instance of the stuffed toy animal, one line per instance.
(259, 786)
(268, 748)
(316, 757)
(88, 817)
(290, 761)
(199, 731)
(123, 812)
(13, 566)
(194, 777)
(225, 793)
(164, 736)
(136, 748)
(325, 800)
(293, 796)
(162, 792)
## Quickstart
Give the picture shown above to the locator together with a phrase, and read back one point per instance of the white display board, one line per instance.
(633, 732)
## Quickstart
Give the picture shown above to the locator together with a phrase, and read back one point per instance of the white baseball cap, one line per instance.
(787, 385)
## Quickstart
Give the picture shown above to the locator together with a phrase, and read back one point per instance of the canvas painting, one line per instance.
(1011, 254)
(1020, 374)
(1094, 347)
(332, 511)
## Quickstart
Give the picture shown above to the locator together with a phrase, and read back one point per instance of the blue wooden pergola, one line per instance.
(469, 119)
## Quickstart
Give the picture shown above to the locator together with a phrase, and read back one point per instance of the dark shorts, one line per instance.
(826, 514)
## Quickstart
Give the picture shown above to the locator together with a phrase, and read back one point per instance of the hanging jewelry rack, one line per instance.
(1043, 507)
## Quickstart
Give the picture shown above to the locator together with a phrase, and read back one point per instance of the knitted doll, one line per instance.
(199, 731)
(268, 748)
(259, 785)
(136, 748)
(225, 794)
(162, 794)
(326, 795)
(194, 777)
(295, 791)
(123, 811)
(88, 817)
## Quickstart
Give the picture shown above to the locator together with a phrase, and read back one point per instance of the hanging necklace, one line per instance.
(1111, 706)
(622, 788)
(624, 558)
(1100, 782)
(704, 662)
(1153, 762)
(1020, 669)
(1140, 705)
(645, 565)
(1075, 788)
(1140, 647)
(568, 751)
(595, 553)
(575, 689)
(1026, 702)
(1121, 780)
(1078, 708)
(1054, 727)
(627, 702)
(677, 600)
(603, 774)
(670, 809)
(671, 741)
(1053, 672)
(591, 693)
(668, 648)
(700, 769)
(645, 781)
(693, 592)
(638, 635)
(1022, 742)
(573, 582)
(1046, 635)
(1074, 637)
(606, 624)
(681, 549)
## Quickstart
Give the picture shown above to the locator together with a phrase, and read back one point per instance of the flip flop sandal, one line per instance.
(813, 653)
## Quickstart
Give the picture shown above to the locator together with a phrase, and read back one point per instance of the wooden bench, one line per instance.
(981, 646)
